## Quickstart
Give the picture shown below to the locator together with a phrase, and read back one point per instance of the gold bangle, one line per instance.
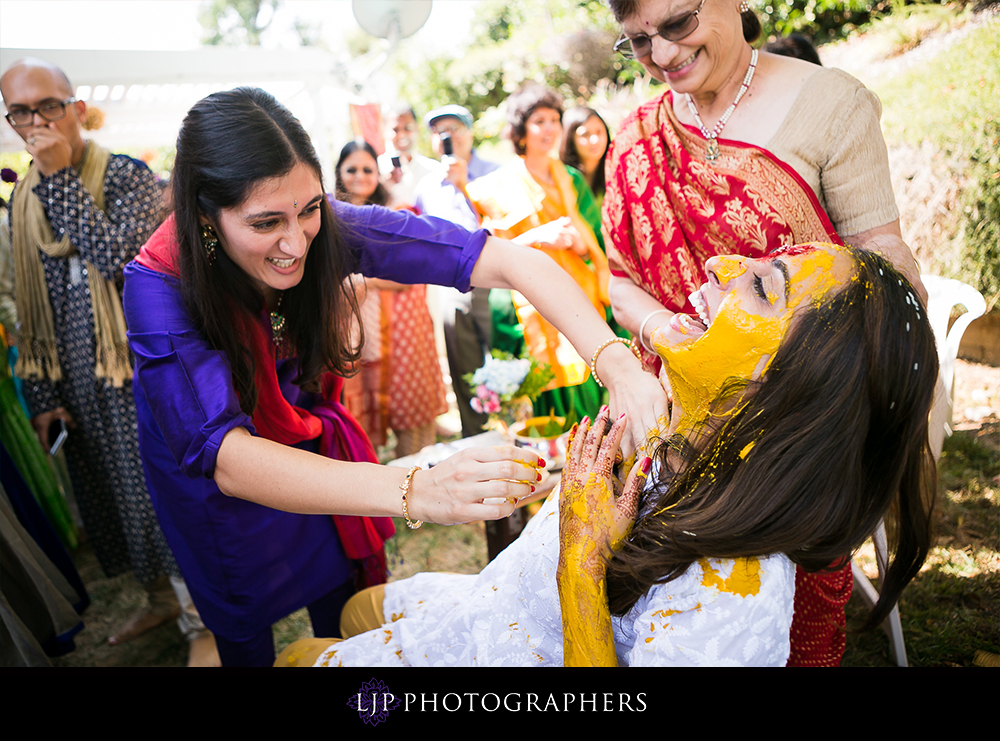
(593, 358)
(405, 488)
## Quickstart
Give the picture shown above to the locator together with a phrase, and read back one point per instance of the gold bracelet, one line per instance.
(593, 358)
(405, 488)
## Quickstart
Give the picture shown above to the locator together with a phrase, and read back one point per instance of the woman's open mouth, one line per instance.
(282, 264)
(700, 305)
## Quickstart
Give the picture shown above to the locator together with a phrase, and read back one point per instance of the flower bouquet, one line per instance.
(505, 387)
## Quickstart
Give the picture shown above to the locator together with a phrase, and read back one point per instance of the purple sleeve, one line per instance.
(406, 248)
(187, 384)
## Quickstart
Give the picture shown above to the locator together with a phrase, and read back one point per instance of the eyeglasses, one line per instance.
(673, 29)
(53, 110)
(447, 128)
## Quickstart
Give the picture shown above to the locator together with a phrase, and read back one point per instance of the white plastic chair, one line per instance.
(892, 625)
(943, 294)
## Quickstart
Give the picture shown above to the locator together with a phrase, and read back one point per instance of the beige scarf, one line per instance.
(38, 356)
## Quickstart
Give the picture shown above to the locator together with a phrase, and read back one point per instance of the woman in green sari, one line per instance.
(537, 200)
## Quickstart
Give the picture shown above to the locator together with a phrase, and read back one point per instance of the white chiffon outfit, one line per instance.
(720, 612)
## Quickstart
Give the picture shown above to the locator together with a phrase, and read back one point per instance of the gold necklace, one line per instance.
(712, 150)
(278, 328)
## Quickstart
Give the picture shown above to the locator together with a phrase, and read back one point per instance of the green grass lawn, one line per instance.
(950, 99)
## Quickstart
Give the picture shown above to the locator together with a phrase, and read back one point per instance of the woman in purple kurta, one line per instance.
(239, 314)
(241, 583)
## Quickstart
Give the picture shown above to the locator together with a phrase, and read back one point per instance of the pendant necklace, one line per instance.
(712, 150)
(278, 327)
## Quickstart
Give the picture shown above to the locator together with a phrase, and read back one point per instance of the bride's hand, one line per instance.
(454, 490)
(593, 520)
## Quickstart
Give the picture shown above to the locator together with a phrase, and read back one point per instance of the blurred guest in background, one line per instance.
(536, 200)
(585, 146)
(78, 215)
(794, 45)
(401, 166)
(400, 385)
(467, 323)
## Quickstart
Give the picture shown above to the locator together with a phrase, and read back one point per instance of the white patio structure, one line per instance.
(145, 94)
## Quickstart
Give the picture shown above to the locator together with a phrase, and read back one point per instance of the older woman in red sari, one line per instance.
(745, 152)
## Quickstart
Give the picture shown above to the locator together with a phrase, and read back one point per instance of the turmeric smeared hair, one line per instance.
(832, 439)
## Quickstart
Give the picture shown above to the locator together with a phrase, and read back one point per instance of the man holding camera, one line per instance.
(467, 321)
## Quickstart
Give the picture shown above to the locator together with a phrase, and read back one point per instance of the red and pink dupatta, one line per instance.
(667, 210)
(340, 435)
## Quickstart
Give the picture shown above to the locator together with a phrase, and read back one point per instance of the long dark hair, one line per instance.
(830, 440)
(228, 144)
(381, 195)
(573, 119)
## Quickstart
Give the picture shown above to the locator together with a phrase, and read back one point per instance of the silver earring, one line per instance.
(209, 241)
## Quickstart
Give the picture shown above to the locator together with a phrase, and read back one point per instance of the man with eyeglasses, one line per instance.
(467, 322)
(77, 217)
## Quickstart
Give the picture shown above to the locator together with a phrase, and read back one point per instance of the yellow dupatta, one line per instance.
(511, 202)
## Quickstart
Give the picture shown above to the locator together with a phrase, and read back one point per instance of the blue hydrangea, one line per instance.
(502, 376)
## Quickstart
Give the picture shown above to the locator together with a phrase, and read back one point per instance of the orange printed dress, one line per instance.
(400, 386)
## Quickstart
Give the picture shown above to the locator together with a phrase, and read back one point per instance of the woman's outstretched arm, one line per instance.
(558, 298)
(293, 480)
(592, 521)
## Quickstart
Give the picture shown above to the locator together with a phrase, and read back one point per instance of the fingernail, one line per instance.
(604, 409)
(585, 421)
(621, 416)
(532, 487)
(541, 463)
(539, 476)
(647, 463)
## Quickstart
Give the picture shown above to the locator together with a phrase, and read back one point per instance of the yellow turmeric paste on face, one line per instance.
(740, 344)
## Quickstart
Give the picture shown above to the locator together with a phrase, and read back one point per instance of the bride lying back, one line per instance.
(799, 420)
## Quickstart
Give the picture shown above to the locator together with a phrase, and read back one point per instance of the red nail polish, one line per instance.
(647, 463)
(585, 421)
(539, 476)
(541, 464)
(621, 416)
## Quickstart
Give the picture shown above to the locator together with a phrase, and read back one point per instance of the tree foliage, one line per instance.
(566, 45)
(236, 22)
(822, 20)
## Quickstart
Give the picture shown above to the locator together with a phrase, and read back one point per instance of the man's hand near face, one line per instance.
(50, 149)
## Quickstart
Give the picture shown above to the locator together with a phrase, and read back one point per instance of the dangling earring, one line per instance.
(744, 6)
(209, 241)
